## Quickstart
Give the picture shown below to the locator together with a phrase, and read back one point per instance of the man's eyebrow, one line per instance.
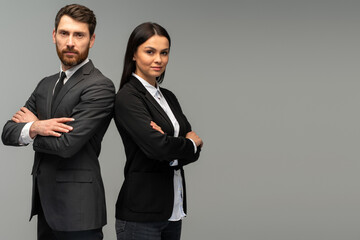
(77, 32)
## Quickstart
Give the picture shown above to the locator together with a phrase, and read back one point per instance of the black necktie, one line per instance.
(58, 87)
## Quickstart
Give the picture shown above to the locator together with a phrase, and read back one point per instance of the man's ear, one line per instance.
(92, 40)
(53, 36)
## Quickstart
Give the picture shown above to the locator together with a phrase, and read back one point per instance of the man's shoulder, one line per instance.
(97, 77)
(55, 75)
(49, 79)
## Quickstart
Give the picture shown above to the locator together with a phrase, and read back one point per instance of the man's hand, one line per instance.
(51, 127)
(193, 136)
(156, 127)
(24, 115)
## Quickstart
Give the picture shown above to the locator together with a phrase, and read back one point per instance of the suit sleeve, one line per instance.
(132, 115)
(94, 110)
(12, 130)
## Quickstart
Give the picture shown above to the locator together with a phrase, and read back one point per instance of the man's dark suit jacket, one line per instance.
(66, 171)
(147, 193)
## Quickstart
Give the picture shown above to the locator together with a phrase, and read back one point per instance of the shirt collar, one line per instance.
(154, 91)
(72, 70)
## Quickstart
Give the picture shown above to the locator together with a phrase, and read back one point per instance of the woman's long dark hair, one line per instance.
(140, 35)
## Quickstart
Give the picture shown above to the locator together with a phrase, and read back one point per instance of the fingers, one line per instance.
(53, 133)
(156, 127)
(15, 119)
(24, 109)
(22, 112)
(152, 123)
(24, 115)
(190, 134)
(18, 117)
(56, 127)
(201, 144)
(63, 128)
(193, 136)
(19, 114)
(51, 127)
(64, 120)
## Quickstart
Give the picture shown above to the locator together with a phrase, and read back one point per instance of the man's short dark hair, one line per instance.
(79, 13)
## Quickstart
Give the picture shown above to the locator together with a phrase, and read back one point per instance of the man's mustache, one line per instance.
(70, 51)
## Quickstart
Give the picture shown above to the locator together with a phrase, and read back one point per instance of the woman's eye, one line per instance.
(164, 53)
(149, 52)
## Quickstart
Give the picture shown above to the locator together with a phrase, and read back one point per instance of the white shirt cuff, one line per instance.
(175, 162)
(25, 138)
(195, 147)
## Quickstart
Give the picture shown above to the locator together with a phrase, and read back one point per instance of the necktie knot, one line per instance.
(62, 77)
(58, 86)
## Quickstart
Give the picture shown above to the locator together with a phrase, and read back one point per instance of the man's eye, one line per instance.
(79, 35)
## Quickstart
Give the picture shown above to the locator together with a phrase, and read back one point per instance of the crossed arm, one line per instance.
(190, 135)
(50, 127)
(66, 135)
(56, 126)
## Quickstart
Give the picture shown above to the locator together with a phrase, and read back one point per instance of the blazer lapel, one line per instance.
(78, 76)
(137, 84)
(176, 110)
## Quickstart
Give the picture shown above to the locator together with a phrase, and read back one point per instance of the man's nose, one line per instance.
(70, 42)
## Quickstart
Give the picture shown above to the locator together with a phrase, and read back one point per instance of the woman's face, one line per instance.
(151, 58)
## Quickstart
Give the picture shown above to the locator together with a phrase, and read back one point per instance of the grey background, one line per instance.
(270, 85)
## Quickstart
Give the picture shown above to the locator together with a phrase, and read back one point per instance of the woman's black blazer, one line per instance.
(147, 193)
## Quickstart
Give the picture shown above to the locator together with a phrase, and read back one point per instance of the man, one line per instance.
(66, 117)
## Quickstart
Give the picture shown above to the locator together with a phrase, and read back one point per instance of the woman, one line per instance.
(158, 142)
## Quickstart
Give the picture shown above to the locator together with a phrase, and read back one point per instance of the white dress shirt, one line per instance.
(24, 138)
(178, 210)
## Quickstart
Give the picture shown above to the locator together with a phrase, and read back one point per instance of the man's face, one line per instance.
(73, 41)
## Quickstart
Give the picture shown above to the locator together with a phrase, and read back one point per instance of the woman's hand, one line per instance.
(193, 136)
(190, 135)
(156, 127)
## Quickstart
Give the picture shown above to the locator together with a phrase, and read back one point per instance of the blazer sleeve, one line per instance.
(94, 110)
(132, 115)
(12, 130)
(174, 102)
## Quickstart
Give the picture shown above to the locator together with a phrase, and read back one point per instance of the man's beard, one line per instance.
(72, 61)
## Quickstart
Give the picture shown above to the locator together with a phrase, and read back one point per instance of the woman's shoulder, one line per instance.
(166, 91)
(169, 94)
(128, 92)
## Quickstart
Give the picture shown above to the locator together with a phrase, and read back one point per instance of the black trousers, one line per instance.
(165, 230)
(44, 231)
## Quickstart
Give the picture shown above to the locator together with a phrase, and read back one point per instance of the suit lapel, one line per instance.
(52, 83)
(78, 76)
